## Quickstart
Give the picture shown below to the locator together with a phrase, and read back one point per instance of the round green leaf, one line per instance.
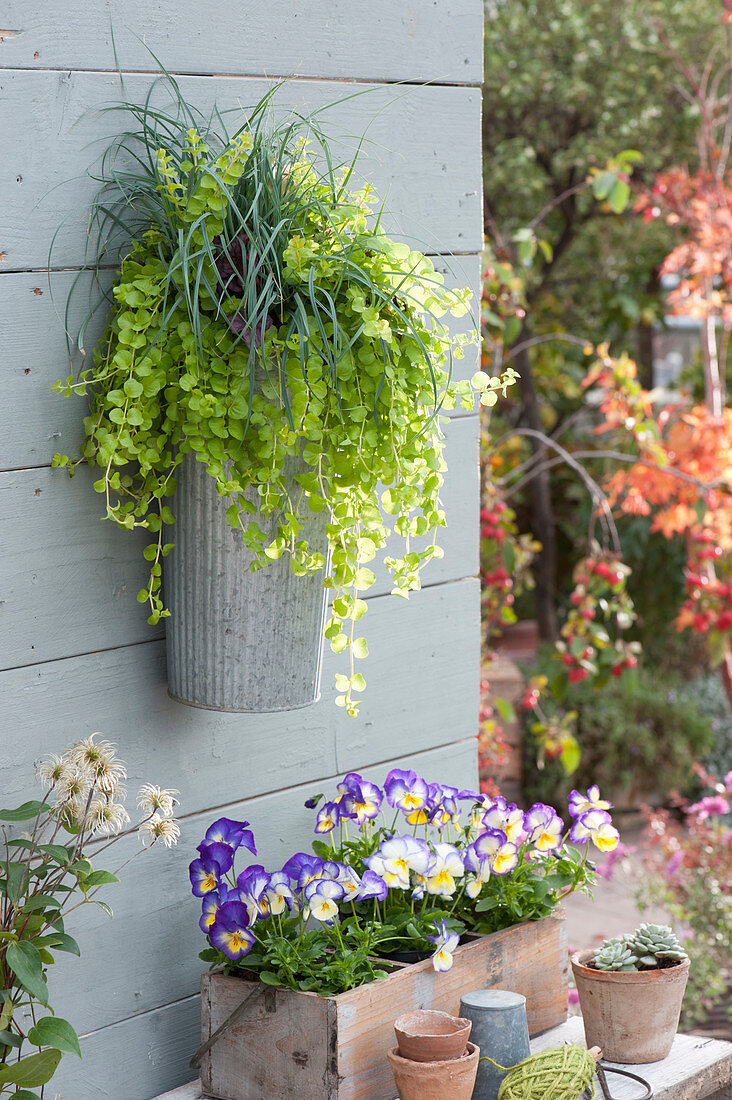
(52, 1031)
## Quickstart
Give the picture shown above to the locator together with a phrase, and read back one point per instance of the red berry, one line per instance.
(577, 674)
(588, 614)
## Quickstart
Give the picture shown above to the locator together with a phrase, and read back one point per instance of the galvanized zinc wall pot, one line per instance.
(237, 641)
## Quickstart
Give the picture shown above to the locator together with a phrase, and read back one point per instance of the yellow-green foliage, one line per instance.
(350, 374)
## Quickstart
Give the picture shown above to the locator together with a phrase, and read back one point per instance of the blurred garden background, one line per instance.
(606, 521)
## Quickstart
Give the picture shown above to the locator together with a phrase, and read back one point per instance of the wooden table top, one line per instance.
(696, 1068)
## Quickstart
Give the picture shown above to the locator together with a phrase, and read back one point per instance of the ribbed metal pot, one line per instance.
(237, 641)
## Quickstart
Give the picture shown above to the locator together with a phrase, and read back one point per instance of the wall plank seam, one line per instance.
(289, 78)
(141, 1015)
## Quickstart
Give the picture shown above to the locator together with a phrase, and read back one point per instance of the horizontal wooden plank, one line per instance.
(34, 421)
(382, 40)
(422, 152)
(135, 1059)
(191, 1091)
(422, 675)
(71, 580)
(147, 956)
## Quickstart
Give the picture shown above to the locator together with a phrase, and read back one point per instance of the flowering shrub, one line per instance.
(687, 867)
(407, 867)
(45, 875)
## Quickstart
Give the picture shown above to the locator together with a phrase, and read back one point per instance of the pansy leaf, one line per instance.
(52, 1031)
(269, 978)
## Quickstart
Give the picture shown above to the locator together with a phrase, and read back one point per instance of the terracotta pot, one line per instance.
(453, 1078)
(631, 1015)
(427, 1035)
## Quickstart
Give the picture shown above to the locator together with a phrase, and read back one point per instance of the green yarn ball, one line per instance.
(561, 1073)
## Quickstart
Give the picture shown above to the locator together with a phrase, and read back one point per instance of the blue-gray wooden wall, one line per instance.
(75, 651)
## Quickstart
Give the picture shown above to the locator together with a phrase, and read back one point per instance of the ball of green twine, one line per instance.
(561, 1073)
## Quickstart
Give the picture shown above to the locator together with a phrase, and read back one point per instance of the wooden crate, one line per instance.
(300, 1045)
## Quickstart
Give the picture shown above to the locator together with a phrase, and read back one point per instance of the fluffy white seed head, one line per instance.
(158, 828)
(152, 799)
(100, 759)
(106, 817)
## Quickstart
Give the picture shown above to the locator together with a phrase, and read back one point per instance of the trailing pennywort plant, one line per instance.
(45, 874)
(262, 321)
(384, 884)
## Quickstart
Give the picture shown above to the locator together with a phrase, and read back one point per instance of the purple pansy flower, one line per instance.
(358, 798)
(322, 896)
(445, 943)
(328, 817)
(493, 845)
(233, 833)
(211, 904)
(278, 896)
(302, 868)
(251, 885)
(220, 853)
(595, 825)
(579, 803)
(543, 826)
(204, 875)
(405, 790)
(445, 866)
(230, 930)
(397, 857)
(505, 816)
(372, 887)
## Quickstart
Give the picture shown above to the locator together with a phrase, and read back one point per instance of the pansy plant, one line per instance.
(445, 862)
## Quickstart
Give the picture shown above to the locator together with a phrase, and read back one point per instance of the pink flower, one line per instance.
(728, 781)
(674, 863)
(709, 806)
(573, 996)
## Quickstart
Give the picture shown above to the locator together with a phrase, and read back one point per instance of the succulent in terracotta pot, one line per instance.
(630, 991)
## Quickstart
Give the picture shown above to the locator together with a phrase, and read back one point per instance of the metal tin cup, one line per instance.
(500, 1030)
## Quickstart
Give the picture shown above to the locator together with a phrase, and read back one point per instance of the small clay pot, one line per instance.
(453, 1078)
(633, 1015)
(427, 1035)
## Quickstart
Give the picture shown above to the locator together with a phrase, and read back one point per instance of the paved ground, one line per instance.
(613, 909)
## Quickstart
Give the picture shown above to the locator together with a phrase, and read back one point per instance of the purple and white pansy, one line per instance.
(455, 845)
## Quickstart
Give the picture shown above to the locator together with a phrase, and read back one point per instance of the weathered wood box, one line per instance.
(300, 1045)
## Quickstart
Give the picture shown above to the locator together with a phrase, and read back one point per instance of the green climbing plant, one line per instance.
(260, 314)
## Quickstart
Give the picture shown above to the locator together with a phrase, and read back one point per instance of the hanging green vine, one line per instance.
(261, 314)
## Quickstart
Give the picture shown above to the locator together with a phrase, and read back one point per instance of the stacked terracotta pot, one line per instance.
(434, 1059)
